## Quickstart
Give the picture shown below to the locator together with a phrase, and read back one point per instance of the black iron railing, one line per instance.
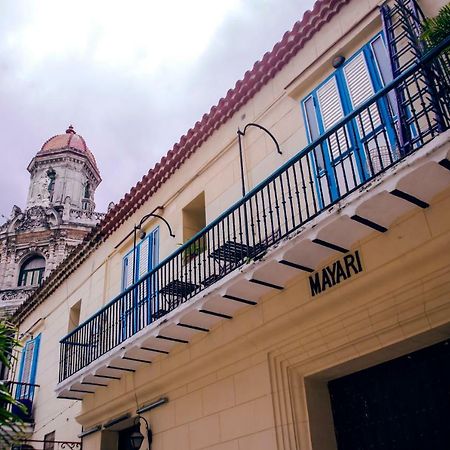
(35, 444)
(24, 394)
(351, 153)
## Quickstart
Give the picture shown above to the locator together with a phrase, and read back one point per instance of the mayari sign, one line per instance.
(341, 270)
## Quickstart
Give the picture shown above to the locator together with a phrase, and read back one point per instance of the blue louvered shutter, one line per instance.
(28, 367)
(127, 271)
(144, 257)
(313, 129)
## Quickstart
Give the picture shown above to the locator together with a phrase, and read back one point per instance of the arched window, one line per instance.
(32, 271)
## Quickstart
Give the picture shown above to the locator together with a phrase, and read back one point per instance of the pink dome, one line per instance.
(70, 140)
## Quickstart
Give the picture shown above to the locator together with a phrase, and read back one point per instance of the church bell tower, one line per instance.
(59, 213)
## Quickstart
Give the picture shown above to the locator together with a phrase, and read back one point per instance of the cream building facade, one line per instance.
(313, 311)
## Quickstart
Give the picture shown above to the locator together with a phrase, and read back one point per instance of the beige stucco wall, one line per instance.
(236, 382)
(242, 385)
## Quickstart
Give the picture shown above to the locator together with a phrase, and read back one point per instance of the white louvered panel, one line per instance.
(143, 268)
(360, 89)
(331, 111)
(143, 257)
(128, 270)
(28, 354)
(330, 104)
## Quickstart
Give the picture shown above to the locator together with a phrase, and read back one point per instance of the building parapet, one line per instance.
(10, 299)
(81, 215)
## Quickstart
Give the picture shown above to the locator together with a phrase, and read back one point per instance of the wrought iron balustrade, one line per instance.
(365, 143)
(35, 444)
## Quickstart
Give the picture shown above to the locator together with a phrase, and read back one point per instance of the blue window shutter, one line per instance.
(127, 271)
(313, 129)
(28, 365)
(382, 60)
(148, 253)
(382, 63)
(146, 259)
(144, 254)
(154, 246)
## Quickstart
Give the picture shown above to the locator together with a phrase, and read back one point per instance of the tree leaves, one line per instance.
(437, 28)
(10, 424)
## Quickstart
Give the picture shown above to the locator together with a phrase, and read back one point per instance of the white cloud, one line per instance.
(138, 36)
(132, 80)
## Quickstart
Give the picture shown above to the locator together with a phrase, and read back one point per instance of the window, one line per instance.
(74, 316)
(370, 135)
(194, 220)
(32, 271)
(49, 441)
(27, 372)
(146, 258)
(135, 305)
(194, 217)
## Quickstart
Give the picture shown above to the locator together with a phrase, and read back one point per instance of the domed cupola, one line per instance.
(69, 141)
(64, 172)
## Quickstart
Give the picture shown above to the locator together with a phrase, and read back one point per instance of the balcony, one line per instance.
(307, 210)
(24, 394)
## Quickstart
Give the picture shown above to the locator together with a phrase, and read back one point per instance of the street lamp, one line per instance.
(137, 438)
(242, 133)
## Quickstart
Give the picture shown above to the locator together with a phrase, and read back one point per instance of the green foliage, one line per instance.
(10, 424)
(437, 28)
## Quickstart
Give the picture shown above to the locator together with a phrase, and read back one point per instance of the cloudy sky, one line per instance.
(131, 79)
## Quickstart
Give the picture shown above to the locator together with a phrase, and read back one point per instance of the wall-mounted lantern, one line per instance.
(137, 438)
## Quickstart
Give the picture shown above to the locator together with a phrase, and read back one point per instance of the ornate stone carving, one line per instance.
(34, 217)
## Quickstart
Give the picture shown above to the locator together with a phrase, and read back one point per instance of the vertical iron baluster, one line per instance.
(264, 212)
(269, 200)
(311, 185)
(258, 219)
(283, 202)
(290, 197)
(363, 139)
(352, 164)
(297, 194)
(327, 174)
(341, 164)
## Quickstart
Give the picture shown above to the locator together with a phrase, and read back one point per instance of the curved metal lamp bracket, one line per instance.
(242, 133)
(241, 159)
(138, 227)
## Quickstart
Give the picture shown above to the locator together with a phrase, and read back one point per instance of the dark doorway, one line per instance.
(403, 404)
